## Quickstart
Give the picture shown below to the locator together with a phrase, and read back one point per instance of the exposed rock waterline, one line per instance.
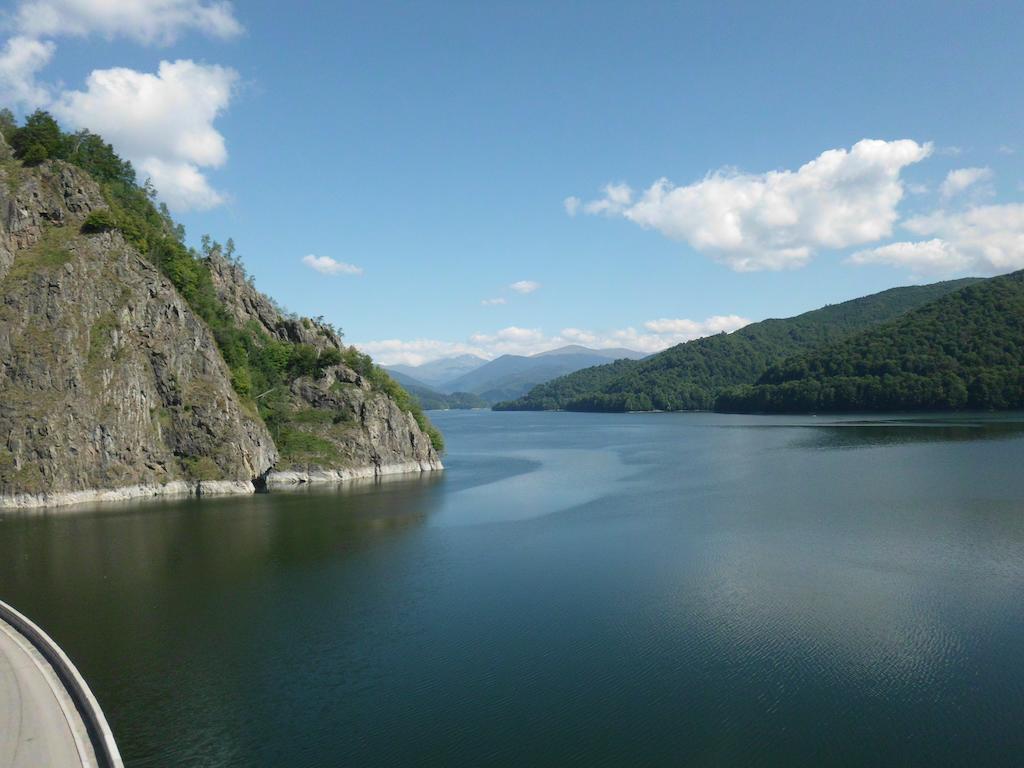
(272, 481)
(292, 478)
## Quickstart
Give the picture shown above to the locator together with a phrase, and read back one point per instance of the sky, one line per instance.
(484, 177)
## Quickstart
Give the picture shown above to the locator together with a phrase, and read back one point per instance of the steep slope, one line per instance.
(964, 350)
(123, 374)
(511, 376)
(347, 420)
(107, 378)
(689, 376)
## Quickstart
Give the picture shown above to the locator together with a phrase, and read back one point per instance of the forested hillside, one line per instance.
(965, 350)
(690, 376)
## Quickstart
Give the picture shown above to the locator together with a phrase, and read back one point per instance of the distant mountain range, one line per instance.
(432, 400)
(437, 373)
(505, 377)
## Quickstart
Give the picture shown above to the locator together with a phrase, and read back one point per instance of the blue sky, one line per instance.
(434, 146)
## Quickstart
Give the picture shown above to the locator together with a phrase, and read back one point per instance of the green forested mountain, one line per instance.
(690, 376)
(964, 350)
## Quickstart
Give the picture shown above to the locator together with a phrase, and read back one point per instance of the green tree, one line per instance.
(41, 135)
(8, 125)
(34, 155)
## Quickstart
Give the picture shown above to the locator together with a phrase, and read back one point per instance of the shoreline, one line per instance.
(272, 480)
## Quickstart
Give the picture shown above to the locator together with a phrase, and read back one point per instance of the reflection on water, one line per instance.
(576, 589)
(895, 431)
(552, 480)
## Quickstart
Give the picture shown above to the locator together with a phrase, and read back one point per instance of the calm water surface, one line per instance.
(576, 589)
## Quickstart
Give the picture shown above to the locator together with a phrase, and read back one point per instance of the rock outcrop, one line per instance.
(350, 428)
(112, 387)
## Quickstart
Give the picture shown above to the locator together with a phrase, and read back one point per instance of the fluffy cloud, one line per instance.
(509, 336)
(777, 220)
(494, 302)
(525, 286)
(696, 328)
(325, 265)
(513, 340)
(963, 178)
(927, 257)
(20, 60)
(162, 122)
(415, 351)
(572, 205)
(667, 332)
(985, 239)
(146, 21)
(617, 197)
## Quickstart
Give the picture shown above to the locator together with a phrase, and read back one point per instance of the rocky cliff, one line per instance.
(111, 386)
(336, 426)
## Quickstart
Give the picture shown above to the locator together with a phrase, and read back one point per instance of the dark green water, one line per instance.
(576, 589)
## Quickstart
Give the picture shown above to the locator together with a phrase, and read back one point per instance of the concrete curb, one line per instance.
(100, 735)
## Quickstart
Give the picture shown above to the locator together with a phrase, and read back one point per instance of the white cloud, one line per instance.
(985, 239)
(580, 336)
(20, 60)
(510, 335)
(696, 328)
(181, 185)
(777, 220)
(145, 21)
(667, 332)
(616, 198)
(414, 351)
(963, 178)
(493, 302)
(513, 340)
(525, 286)
(572, 205)
(162, 122)
(325, 265)
(927, 257)
(1006, 149)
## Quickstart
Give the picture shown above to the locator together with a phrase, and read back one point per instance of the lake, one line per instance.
(575, 589)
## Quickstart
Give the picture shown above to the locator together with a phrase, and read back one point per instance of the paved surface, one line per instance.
(39, 725)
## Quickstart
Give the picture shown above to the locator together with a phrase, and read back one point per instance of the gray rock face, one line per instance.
(110, 386)
(109, 380)
(366, 431)
(238, 293)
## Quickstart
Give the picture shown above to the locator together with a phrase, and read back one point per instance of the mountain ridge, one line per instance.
(690, 375)
(962, 350)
